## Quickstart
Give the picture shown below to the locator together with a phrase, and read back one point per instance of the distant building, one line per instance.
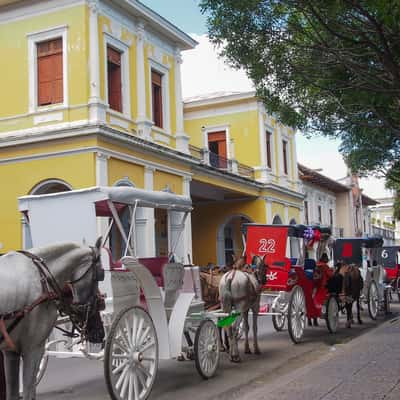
(384, 221)
(339, 204)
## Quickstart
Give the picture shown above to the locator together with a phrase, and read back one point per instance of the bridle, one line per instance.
(79, 313)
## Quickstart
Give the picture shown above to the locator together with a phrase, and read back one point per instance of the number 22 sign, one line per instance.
(266, 246)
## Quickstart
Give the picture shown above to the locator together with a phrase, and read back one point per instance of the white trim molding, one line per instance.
(33, 39)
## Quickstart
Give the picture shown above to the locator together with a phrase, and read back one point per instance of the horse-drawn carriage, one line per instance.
(154, 308)
(389, 258)
(295, 287)
(364, 252)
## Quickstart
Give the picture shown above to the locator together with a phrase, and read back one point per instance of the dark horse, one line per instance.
(347, 283)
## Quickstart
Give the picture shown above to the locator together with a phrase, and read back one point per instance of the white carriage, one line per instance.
(154, 308)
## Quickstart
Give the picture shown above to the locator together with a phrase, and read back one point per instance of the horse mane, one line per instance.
(59, 250)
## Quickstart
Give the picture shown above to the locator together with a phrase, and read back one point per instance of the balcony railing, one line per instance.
(222, 163)
(385, 233)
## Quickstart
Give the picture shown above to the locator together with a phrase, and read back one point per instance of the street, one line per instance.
(68, 379)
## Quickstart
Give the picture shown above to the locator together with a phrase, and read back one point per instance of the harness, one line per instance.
(51, 291)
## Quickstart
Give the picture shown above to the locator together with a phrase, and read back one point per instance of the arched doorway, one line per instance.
(277, 220)
(229, 239)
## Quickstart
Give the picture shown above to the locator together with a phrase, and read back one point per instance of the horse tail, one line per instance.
(347, 284)
(226, 295)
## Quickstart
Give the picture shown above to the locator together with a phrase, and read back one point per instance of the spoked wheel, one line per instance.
(373, 300)
(279, 321)
(296, 314)
(332, 314)
(131, 355)
(206, 349)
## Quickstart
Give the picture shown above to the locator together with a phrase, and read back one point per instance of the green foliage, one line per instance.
(330, 67)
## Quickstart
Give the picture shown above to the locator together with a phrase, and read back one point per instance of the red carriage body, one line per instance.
(283, 272)
(389, 257)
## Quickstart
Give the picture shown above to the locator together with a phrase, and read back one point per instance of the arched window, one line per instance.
(277, 220)
(51, 186)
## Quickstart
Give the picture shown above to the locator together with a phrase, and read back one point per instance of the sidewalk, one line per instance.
(363, 369)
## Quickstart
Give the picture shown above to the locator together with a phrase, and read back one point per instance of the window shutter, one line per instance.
(114, 79)
(157, 101)
(50, 72)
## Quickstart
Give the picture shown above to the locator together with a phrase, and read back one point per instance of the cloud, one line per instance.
(204, 72)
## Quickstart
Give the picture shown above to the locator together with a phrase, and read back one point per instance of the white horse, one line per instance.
(240, 291)
(33, 287)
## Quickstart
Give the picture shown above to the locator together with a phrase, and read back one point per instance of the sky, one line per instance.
(203, 61)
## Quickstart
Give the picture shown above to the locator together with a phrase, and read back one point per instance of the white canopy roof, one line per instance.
(117, 194)
(71, 216)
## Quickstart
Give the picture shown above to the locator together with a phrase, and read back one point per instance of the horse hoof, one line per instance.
(348, 325)
(235, 359)
(247, 351)
(360, 322)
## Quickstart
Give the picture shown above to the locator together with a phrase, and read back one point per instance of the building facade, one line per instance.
(334, 203)
(233, 136)
(93, 98)
(383, 221)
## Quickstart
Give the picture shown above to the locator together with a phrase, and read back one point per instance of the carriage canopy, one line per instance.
(71, 216)
(389, 256)
(348, 250)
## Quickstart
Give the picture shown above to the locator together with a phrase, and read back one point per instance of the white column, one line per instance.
(262, 144)
(144, 125)
(182, 140)
(268, 206)
(286, 215)
(96, 106)
(187, 234)
(147, 237)
(102, 180)
(295, 167)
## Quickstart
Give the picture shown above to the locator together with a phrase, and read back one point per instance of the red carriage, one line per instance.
(296, 280)
(389, 258)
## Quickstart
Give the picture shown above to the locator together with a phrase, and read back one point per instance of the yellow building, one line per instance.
(91, 95)
(249, 171)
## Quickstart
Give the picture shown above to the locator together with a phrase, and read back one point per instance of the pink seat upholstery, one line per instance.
(155, 265)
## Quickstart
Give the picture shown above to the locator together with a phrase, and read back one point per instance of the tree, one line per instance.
(329, 67)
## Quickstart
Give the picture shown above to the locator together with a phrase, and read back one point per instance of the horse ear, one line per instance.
(99, 242)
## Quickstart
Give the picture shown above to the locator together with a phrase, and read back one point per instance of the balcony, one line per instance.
(387, 234)
(221, 163)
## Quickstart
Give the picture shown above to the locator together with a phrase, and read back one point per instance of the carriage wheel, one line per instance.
(397, 287)
(373, 300)
(206, 349)
(296, 314)
(279, 321)
(332, 314)
(131, 355)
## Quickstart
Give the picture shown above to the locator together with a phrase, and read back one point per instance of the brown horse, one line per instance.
(347, 283)
(239, 290)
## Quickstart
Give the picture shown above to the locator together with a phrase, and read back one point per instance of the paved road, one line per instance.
(82, 379)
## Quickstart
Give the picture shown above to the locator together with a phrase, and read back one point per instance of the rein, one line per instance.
(51, 291)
